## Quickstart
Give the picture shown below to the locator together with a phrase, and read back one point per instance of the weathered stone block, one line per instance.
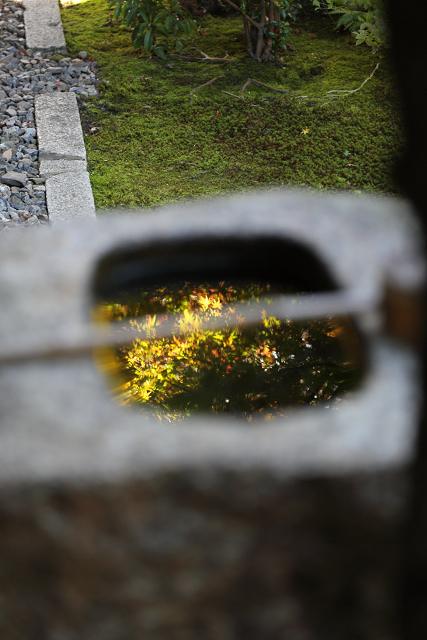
(114, 526)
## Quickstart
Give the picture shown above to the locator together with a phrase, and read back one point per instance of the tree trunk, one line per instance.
(272, 15)
(260, 36)
(249, 45)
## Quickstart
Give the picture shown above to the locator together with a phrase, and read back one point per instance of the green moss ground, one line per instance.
(152, 146)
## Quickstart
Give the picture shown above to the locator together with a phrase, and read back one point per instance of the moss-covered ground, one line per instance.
(153, 146)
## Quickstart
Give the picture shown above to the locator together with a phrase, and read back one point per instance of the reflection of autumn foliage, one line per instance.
(257, 371)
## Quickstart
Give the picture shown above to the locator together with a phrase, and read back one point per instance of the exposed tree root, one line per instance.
(232, 94)
(261, 84)
(204, 59)
(354, 90)
(250, 81)
(193, 91)
(346, 92)
(200, 174)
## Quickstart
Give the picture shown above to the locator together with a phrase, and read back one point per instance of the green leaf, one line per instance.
(149, 39)
(164, 14)
(130, 16)
(138, 43)
(160, 53)
(186, 27)
(163, 30)
(117, 11)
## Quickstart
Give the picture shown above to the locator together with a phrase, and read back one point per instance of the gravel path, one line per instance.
(25, 73)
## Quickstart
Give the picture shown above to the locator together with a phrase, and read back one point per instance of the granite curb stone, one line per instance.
(43, 26)
(59, 133)
(69, 197)
(62, 156)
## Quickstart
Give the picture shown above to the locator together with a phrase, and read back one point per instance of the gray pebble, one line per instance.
(14, 179)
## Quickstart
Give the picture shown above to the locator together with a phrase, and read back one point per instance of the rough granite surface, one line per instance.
(69, 197)
(43, 26)
(59, 132)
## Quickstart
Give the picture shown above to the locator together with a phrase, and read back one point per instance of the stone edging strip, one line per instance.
(62, 158)
(43, 26)
(62, 152)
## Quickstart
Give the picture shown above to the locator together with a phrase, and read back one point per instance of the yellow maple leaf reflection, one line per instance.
(253, 370)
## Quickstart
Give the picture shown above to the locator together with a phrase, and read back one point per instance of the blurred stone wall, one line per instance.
(206, 555)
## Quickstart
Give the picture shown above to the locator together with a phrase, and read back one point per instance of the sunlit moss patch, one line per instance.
(152, 146)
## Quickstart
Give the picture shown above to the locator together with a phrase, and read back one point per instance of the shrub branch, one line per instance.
(246, 17)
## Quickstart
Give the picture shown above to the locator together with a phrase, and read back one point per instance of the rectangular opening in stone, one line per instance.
(206, 338)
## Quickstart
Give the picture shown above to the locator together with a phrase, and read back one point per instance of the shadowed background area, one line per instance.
(410, 59)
